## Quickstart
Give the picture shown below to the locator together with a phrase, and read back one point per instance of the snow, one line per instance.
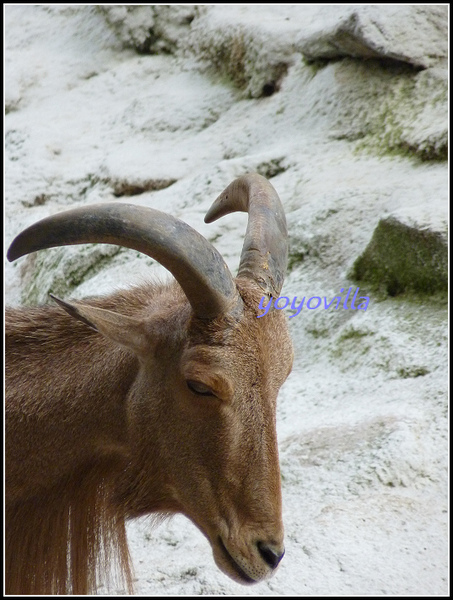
(362, 421)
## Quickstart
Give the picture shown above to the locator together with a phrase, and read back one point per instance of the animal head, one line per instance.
(201, 410)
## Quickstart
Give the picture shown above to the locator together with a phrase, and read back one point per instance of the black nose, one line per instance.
(271, 555)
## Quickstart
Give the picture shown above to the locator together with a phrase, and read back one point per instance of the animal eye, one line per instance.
(199, 388)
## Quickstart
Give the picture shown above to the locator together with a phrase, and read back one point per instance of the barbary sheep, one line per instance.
(155, 399)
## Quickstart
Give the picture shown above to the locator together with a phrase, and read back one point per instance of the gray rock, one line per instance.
(412, 33)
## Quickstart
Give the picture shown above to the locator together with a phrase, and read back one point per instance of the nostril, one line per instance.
(270, 556)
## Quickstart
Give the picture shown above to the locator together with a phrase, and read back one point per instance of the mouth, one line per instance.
(244, 578)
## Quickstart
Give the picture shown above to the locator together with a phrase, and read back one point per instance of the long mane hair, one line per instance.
(69, 540)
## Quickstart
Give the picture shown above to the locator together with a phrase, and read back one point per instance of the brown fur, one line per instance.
(99, 431)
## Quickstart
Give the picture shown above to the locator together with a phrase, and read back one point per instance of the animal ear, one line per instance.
(123, 330)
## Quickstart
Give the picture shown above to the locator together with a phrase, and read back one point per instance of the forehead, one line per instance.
(248, 343)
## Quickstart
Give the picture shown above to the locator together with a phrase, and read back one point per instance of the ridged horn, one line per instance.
(195, 263)
(265, 251)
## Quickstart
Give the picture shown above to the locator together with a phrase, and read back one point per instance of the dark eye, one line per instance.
(199, 388)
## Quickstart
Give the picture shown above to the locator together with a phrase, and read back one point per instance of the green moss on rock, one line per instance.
(402, 259)
(388, 108)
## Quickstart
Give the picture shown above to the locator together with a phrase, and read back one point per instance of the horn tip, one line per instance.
(13, 253)
(209, 217)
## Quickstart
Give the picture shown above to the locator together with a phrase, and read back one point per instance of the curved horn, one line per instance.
(195, 263)
(265, 251)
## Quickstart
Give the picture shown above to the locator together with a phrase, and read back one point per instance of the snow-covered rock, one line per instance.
(344, 108)
(411, 33)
